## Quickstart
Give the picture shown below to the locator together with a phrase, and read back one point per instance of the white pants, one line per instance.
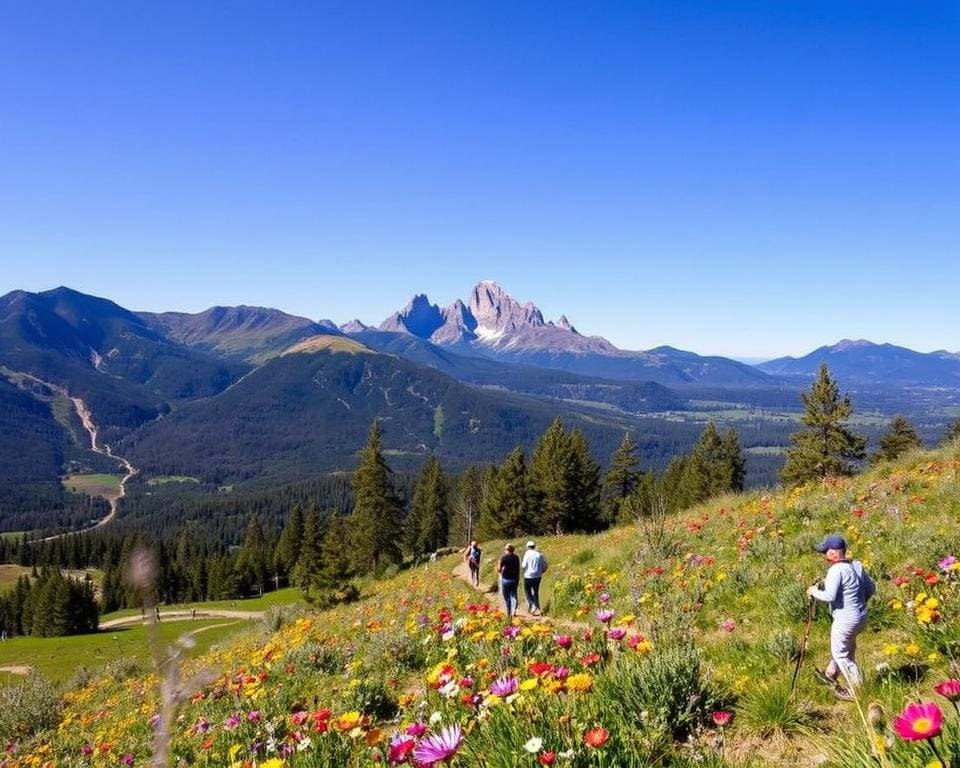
(843, 648)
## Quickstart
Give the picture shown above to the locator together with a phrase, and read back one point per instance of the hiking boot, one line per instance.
(844, 694)
(822, 677)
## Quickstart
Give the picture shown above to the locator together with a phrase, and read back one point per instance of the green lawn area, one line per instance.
(107, 486)
(286, 596)
(58, 658)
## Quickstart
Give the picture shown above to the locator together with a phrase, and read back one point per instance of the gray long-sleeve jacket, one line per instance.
(847, 588)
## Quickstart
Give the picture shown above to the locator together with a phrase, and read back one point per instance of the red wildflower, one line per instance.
(596, 737)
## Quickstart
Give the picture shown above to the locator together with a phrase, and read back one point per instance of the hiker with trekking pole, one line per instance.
(847, 588)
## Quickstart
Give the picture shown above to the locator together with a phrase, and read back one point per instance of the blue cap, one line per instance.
(831, 542)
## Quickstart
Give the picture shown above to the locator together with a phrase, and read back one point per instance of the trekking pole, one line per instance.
(811, 607)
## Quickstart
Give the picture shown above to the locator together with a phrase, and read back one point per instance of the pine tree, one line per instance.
(377, 520)
(621, 479)
(506, 509)
(825, 448)
(332, 583)
(553, 481)
(708, 472)
(291, 539)
(252, 561)
(309, 562)
(429, 519)
(899, 438)
(733, 460)
(586, 512)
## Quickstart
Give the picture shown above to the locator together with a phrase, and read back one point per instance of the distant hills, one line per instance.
(864, 363)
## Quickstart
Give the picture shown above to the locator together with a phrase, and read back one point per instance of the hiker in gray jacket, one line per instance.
(847, 588)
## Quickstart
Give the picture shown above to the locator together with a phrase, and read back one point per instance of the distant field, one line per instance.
(286, 596)
(9, 575)
(58, 658)
(167, 479)
(107, 486)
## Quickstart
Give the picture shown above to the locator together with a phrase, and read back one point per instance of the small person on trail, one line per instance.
(534, 565)
(847, 588)
(473, 561)
(509, 570)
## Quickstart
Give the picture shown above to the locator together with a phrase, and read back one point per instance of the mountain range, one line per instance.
(253, 394)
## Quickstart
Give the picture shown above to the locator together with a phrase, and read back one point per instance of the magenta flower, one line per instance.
(504, 686)
(947, 562)
(416, 729)
(400, 749)
(721, 717)
(617, 634)
(604, 597)
(918, 722)
(86, 750)
(728, 626)
(949, 689)
(564, 641)
(511, 631)
(127, 759)
(438, 747)
(605, 615)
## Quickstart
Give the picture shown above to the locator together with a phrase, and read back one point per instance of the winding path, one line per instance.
(86, 418)
(181, 615)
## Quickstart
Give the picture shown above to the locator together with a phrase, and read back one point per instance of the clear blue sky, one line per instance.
(743, 178)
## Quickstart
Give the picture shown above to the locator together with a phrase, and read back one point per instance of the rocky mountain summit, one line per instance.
(492, 318)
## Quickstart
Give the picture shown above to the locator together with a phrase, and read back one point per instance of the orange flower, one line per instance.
(596, 737)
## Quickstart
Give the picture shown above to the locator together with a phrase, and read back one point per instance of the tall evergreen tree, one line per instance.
(377, 520)
(291, 539)
(253, 562)
(708, 472)
(899, 438)
(734, 461)
(553, 481)
(621, 478)
(586, 514)
(429, 520)
(825, 447)
(506, 509)
(309, 561)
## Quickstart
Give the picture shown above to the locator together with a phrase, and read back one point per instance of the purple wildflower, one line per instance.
(504, 686)
(438, 747)
(605, 615)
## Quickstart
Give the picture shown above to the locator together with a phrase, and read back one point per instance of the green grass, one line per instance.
(58, 658)
(286, 596)
(63, 411)
(107, 486)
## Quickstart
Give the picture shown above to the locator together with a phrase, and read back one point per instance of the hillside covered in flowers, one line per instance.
(672, 641)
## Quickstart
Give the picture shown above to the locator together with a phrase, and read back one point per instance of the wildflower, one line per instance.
(949, 689)
(533, 745)
(617, 634)
(564, 641)
(547, 758)
(416, 730)
(438, 747)
(596, 737)
(605, 615)
(918, 722)
(728, 625)
(721, 718)
(579, 682)
(400, 748)
(504, 686)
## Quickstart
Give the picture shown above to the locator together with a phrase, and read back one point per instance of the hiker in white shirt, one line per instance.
(847, 588)
(534, 565)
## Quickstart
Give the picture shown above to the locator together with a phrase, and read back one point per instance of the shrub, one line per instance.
(322, 658)
(371, 696)
(666, 689)
(28, 708)
(583, 557)
(327, 598)
(783, 646)
(769, 710)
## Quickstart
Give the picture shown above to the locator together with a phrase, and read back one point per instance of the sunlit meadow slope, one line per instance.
(655, 635)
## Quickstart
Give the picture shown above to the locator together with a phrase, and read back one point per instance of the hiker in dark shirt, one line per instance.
(473, 561)
(509, 570)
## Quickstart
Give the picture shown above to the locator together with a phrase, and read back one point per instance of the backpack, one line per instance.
(475, 556)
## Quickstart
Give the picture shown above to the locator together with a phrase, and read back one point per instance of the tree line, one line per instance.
(49, 605)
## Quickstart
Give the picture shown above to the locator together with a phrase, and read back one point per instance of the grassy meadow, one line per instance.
(671, 642)
(106, 486)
